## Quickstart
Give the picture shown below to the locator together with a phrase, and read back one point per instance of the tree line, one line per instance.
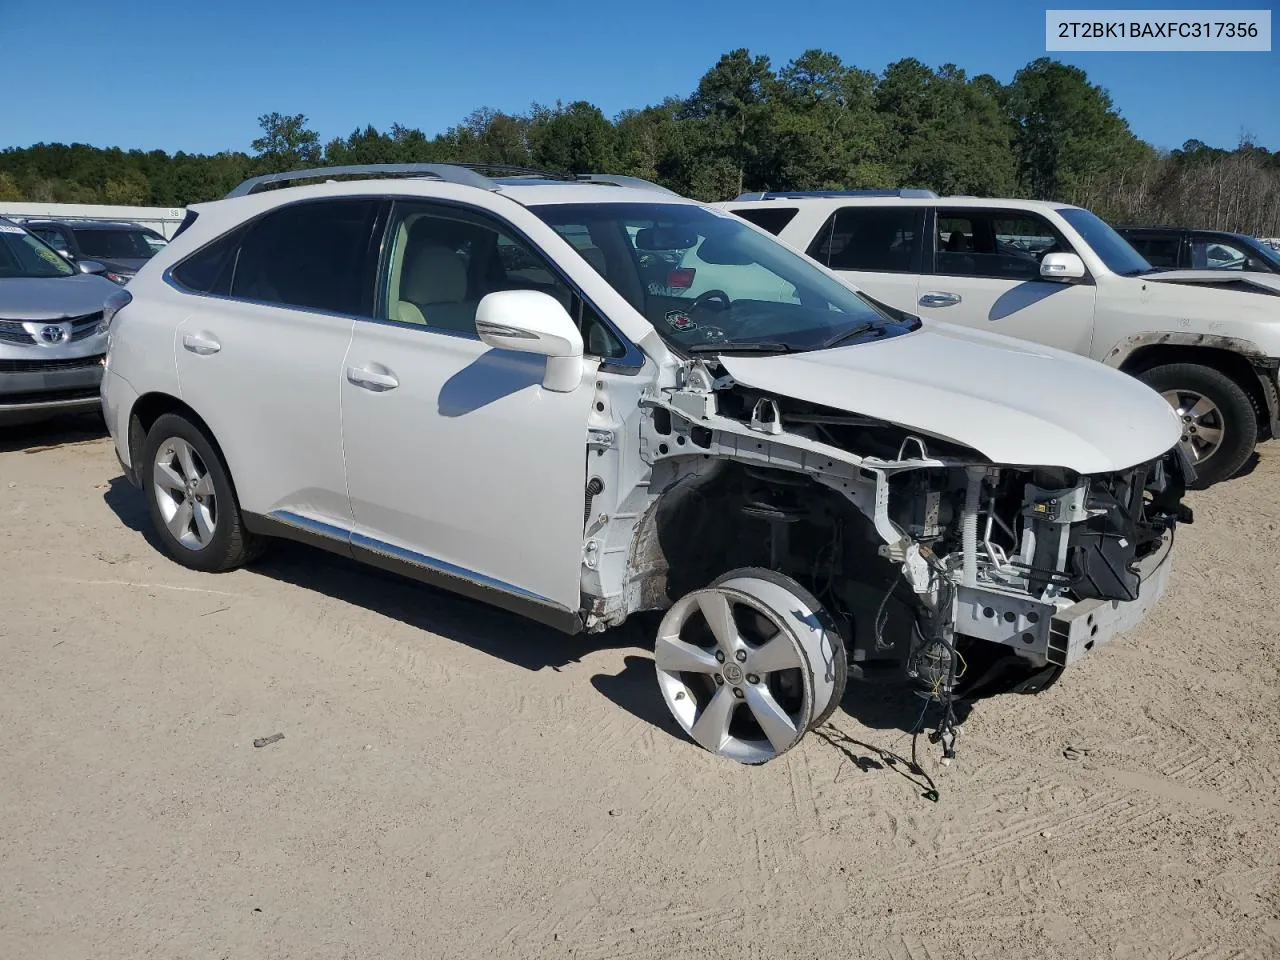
(816, 123)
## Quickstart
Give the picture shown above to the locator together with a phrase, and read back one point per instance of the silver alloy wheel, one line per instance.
(744, 667)
(184, 494)
(1202, 427)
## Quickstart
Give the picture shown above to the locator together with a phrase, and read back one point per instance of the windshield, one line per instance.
(707, 281)
(115, 244)
(1113, 249)
(1266, 252)
(22, 256)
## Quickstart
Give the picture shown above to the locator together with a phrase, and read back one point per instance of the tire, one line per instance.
(1233, 414)
(213, 537)
(840, 657)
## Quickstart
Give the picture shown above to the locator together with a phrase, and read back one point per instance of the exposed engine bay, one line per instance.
(962, 576)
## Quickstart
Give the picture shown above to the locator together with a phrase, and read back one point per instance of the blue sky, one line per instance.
(183, 75)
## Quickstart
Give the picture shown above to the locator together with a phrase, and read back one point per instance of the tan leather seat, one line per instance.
(433, 290)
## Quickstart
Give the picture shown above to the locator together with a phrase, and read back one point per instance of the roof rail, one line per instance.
(621, 181)
(462, 173)
(912, 193)
(450, 172)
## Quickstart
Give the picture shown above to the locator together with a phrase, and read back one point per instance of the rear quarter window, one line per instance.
(773, 219)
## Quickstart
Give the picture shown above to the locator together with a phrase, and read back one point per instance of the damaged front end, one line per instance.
(964, 576)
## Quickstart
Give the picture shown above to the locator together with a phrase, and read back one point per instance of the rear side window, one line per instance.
(313, 255)
(875, 239)
(773, 219)
(1161, 250)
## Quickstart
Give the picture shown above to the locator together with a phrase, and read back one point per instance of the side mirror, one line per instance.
(531, 322)
(90, 266)
(1061, 266)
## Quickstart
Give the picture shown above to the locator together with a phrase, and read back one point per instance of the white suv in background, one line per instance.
(471, 381)
(1208, 341)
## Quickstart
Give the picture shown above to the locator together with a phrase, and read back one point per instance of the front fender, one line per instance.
(1264, 367)
(1123, 350)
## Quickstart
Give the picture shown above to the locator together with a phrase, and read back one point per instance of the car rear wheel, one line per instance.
(189, 496)
(749, 664)
(1219, 422)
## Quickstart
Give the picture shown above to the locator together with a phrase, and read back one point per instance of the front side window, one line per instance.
(314, 255)
(1112, 249)
(707, 281)
(443, 261)
(1210, 253)
(24, 257)
(995, 244)
(874, 239)
(114, 244)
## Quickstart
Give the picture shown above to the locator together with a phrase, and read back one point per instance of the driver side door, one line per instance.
(986, 274)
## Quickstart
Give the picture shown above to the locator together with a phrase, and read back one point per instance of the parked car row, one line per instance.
(581, 399)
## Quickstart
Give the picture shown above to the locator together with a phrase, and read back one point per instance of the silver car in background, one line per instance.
(51, 348)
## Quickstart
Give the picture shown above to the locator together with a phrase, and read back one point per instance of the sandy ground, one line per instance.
(455, 782)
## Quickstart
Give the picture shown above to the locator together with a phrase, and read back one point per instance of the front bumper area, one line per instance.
(1048, 634)
(32, 390)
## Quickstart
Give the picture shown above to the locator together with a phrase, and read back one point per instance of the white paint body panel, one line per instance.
(270, 396)
(469, 460)
(1056, 314)
(1013, 403)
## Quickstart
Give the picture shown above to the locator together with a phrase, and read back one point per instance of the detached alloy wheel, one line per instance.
(189, 496)
(749, 664)
(1219, 423)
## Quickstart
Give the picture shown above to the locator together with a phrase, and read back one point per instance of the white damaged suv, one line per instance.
(487, 384)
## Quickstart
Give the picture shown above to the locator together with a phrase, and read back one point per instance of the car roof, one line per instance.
(528, 192)
(526, 186)
(833, 201)
(85, 224)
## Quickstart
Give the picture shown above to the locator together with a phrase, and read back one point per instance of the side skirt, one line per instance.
(414, 566)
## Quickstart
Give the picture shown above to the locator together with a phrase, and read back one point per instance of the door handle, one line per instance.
(371, 379)
(201, 344)
(935, 298)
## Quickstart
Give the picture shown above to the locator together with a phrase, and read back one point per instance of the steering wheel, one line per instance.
(709, 297)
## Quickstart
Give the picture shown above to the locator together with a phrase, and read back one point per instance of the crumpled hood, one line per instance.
(53, 298)
(1238, 280)
(1014, 402)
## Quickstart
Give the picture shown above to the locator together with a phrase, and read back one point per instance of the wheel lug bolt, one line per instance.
(720, 655)
(737, 692)
(742, 656)
(752, 678)
(719, 680)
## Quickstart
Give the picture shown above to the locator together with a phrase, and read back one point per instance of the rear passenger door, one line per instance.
(260, 355)
(985, 273)
(879, 249)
